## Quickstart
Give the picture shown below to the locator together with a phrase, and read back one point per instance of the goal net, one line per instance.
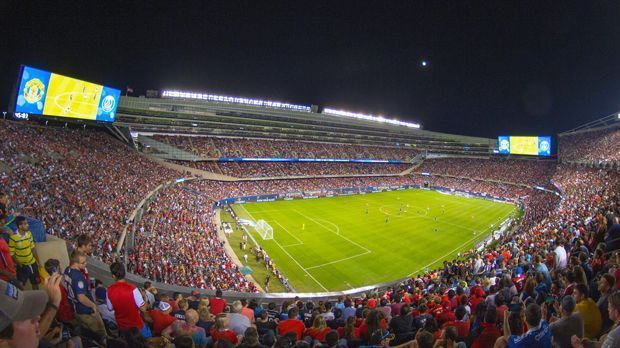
(264, 229)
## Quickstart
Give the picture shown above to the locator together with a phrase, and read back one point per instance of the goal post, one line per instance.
(264, 229)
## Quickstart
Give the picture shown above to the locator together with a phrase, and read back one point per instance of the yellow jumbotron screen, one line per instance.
(45, 93)
(524, 145)
(520, 145)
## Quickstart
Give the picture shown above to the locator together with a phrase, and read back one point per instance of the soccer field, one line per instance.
(338, 243)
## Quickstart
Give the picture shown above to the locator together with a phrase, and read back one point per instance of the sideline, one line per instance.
(229, 250)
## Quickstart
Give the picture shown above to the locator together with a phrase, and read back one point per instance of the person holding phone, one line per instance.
(570, 322)
(537, 334)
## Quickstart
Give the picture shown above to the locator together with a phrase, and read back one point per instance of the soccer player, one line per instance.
(387, 219)
(21, 245)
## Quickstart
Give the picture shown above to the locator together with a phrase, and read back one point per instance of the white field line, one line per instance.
(289, 233)
(444, 256)
(346, 258)
(300, 266)
(289, 255)
(336, 233)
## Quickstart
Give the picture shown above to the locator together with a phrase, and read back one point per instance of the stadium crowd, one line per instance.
(553, 281)
(598, 145)
(177, 243)
(75, 180)
(213, 147)
(284, 169)
(528, 172)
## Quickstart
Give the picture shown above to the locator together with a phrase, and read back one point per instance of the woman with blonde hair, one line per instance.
(220, 330)
(318, 330)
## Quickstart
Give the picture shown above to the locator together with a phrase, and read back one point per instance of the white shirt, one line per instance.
(561, 258)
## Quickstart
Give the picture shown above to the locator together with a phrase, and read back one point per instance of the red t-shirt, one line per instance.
(65, 309)
(125, 300)
(317, 334)
(226, 335)
(291, 325)
(217, 305)
(6, 262)
(341, 332)
(462, 327)
(161, 321)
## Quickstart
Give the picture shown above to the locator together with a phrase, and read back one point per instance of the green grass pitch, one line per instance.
(339, 243)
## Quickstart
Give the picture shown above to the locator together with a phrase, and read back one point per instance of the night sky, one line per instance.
(496, 67)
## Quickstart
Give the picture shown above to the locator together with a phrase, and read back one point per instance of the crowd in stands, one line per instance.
(284, 169)
(528, 172)
(75, 180)
(213, 147)
(553, 281)
(176, 242)
(598, 145)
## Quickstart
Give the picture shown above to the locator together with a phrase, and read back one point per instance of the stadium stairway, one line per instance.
(416, 161)
(168, 151)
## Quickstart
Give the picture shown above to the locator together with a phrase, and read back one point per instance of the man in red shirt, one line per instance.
(7, 268)
(217, 303)
(291, 324)
(161, 317)
(126, 301)
(461, 323)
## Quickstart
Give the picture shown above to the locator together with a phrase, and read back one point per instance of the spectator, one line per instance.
(161, 317)
(82, 299)
(65, 312)
(187, 327)
(588, 310)
(84, 245)
(538, 333)
(606, 285)
(318, 330)
(612, 339)
(127, 303)
(292, 324)
(217, 303)
(250, 339)
(569, 324)
(220, 330)
(237, 322)
(183, 307)
(22, 317)
(7, 268)
(21, 246)
(249, 313)
(486, 335)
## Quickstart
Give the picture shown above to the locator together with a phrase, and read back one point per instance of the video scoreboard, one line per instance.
(42, 92)
(520, 145)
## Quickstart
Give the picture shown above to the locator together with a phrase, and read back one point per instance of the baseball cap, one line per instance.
(164, 306)
(17, 305)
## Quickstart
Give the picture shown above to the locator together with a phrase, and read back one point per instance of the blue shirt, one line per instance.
(348, 312)
(76, 284)
(539, 337)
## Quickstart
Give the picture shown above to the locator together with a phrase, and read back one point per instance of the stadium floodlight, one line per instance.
(264, 229)
(381, 119)
(235, 100)
(619, 116)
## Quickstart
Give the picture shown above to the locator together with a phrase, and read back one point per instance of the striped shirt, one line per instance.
(21, 247)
